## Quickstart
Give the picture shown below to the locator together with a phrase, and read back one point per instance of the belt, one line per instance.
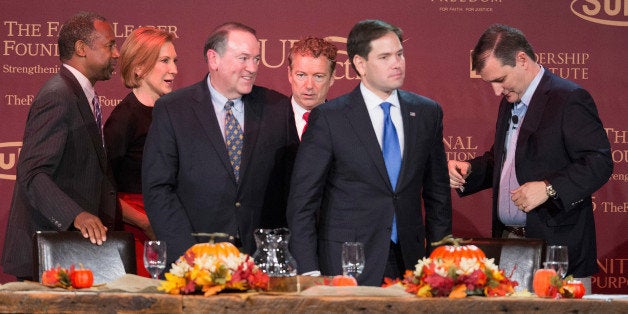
(518, 231)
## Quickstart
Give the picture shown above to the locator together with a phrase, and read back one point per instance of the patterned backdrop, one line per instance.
(581, 40)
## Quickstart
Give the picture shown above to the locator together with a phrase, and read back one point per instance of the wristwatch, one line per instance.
(549, 189)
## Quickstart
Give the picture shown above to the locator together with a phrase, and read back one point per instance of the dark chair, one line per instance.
(108, 262)
(519, 257)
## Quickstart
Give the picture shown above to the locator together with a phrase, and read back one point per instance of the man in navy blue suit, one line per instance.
(213, 148)
(365, 166)
(550, 151)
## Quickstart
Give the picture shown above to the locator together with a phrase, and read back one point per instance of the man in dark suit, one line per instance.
(64, 181)
(343, 187)
(311, 66)
(550, 152)
(213, 148)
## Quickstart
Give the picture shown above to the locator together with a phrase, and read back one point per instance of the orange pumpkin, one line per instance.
(215, 249)
(576, 288)
(455, 252)
(543, 281)
(341, 280)
(82, 278)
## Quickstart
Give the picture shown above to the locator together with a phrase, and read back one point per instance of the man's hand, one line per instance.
(458, 172)
(91, 227)
(530, 195)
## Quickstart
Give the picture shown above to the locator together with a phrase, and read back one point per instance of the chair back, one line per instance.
(519, 257)
(109, 261)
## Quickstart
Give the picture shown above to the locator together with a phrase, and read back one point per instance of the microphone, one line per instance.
(515, 119)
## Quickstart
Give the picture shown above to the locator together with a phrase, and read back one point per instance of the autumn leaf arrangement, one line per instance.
(210, 268)
(71, 278)
(455, 271)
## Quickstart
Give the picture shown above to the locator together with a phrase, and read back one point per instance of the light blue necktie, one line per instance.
(509, 214)
(234, 139)
(392, 157)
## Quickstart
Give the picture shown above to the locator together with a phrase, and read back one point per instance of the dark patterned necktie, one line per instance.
(98, 116)
(234, 139)
(392, 156)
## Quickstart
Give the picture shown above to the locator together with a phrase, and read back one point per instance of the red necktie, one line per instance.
(306, 115)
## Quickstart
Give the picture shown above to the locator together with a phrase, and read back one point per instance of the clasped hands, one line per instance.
(526, 197)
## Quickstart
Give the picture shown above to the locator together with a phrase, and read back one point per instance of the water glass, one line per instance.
(352, 259)
(155, 257)
(557, 259)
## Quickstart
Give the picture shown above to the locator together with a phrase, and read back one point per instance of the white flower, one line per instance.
(233, 261)
(441, 271)
(179, 268)
(418, 270)
(467, 266)
(489, 263)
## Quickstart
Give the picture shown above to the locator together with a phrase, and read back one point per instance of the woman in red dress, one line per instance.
(148, 66)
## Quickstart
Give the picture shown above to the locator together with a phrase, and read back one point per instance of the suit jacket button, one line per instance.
(237, 204)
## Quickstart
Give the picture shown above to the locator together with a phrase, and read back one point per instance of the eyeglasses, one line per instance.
(318, 78)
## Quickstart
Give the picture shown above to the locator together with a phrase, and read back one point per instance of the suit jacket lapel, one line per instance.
(409, 114)
(503, 123)
(87, 115)
(533, 115)
(204, 112)
(252, 120)
(292, 126)
(360, 120)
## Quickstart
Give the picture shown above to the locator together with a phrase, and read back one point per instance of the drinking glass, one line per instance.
(557, 259)
(352, 259)
(155, 257)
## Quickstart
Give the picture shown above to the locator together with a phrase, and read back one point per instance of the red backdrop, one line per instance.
(585, 41)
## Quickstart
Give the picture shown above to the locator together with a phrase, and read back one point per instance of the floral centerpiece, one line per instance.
(213, 267)
(455, 271)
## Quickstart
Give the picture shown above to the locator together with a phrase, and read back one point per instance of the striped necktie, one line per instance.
(98, 116)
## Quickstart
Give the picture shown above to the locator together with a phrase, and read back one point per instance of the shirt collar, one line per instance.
(298, 110)
(373, 100)
(86, 85)
(527, 96)
(219, 100)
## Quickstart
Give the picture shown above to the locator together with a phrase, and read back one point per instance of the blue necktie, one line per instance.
(234, 139)
(392, 157)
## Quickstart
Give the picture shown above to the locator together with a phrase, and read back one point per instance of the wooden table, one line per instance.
(108, 302)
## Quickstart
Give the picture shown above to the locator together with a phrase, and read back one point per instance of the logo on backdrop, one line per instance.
(22, 37)
(460, 147)
(605, 12)
(612, 273)
(274, 54)
(619, 151)
(571, 65)
(9, 152)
